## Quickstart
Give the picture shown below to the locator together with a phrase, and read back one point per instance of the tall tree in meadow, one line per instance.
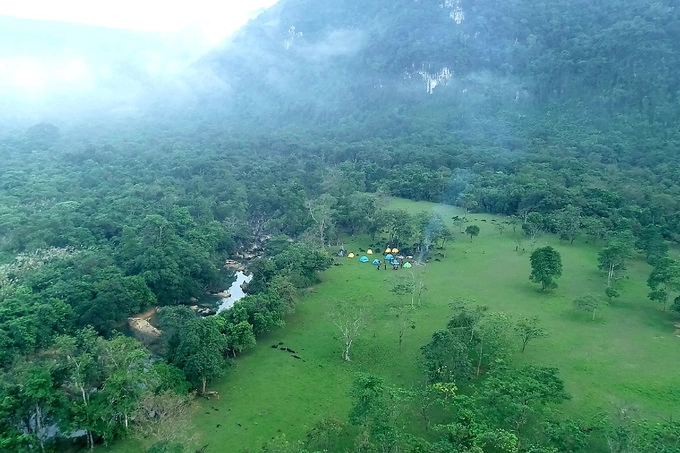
(472, 231)
(663, 280)
(546, 267)
(528, 329)
(613, 257)
(588, 303)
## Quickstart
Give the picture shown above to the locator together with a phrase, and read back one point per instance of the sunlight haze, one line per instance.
(215, 19)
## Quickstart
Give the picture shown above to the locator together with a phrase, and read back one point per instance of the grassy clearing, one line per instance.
(622, 358)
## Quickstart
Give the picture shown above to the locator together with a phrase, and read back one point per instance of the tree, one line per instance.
(321, 212)
(568, 223)
(492, 334)
(473, 342)
(651, 243)
(527, 329)
(588, 303)
(324, 434)
(546, 266)
(611, 293)
(82, 377)
(164, 417)
(378, 410)
(533, 226)
(510, 399)
(472, 231)
(664, 278)
(613, 257)
(236, 328)
(197, 347)
(350, 319)
(403, 314)
(31, 402)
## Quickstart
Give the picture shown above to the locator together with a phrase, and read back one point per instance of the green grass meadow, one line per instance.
(627, 356)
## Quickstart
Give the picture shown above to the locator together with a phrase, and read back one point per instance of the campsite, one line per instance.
(271, 394)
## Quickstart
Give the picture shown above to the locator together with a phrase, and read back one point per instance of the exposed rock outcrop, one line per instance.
(143, 330)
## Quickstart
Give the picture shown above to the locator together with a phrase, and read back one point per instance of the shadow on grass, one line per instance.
(584, 318)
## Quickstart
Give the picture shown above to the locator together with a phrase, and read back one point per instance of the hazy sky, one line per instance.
(216, 18)
(37, 77)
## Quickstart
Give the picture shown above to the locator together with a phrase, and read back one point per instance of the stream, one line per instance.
(235, 291)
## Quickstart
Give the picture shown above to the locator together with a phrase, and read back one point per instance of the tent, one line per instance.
(406, 265)
(376, 262)
(394, 263)
(364, 259)
(388, 256)
(395, 251)
(369, 252)
(350, 255)
(388, 250)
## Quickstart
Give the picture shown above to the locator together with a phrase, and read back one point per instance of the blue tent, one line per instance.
(388, 256)
(395, 262)
(364, 259)
(376, 262)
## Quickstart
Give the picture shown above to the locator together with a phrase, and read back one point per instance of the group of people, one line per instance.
(396, 261)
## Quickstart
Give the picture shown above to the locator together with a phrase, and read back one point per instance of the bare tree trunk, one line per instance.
(203, 387)
(479, 362)
(345, 354)
(38, 425)
(350, 325)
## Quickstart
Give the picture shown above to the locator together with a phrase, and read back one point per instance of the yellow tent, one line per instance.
(369, 252)
(395, 251)
(350, 255)
(388, 250)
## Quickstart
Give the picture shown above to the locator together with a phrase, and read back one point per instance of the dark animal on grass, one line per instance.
(437, 259)
(275, 346)
(202, 449)
(290, 350)
(218, 426)
(297, 356)
(280, 343)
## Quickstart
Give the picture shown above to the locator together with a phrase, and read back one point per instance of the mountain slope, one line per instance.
(323, 60)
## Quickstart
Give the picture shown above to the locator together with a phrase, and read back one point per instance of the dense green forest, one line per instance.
(562, 117)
